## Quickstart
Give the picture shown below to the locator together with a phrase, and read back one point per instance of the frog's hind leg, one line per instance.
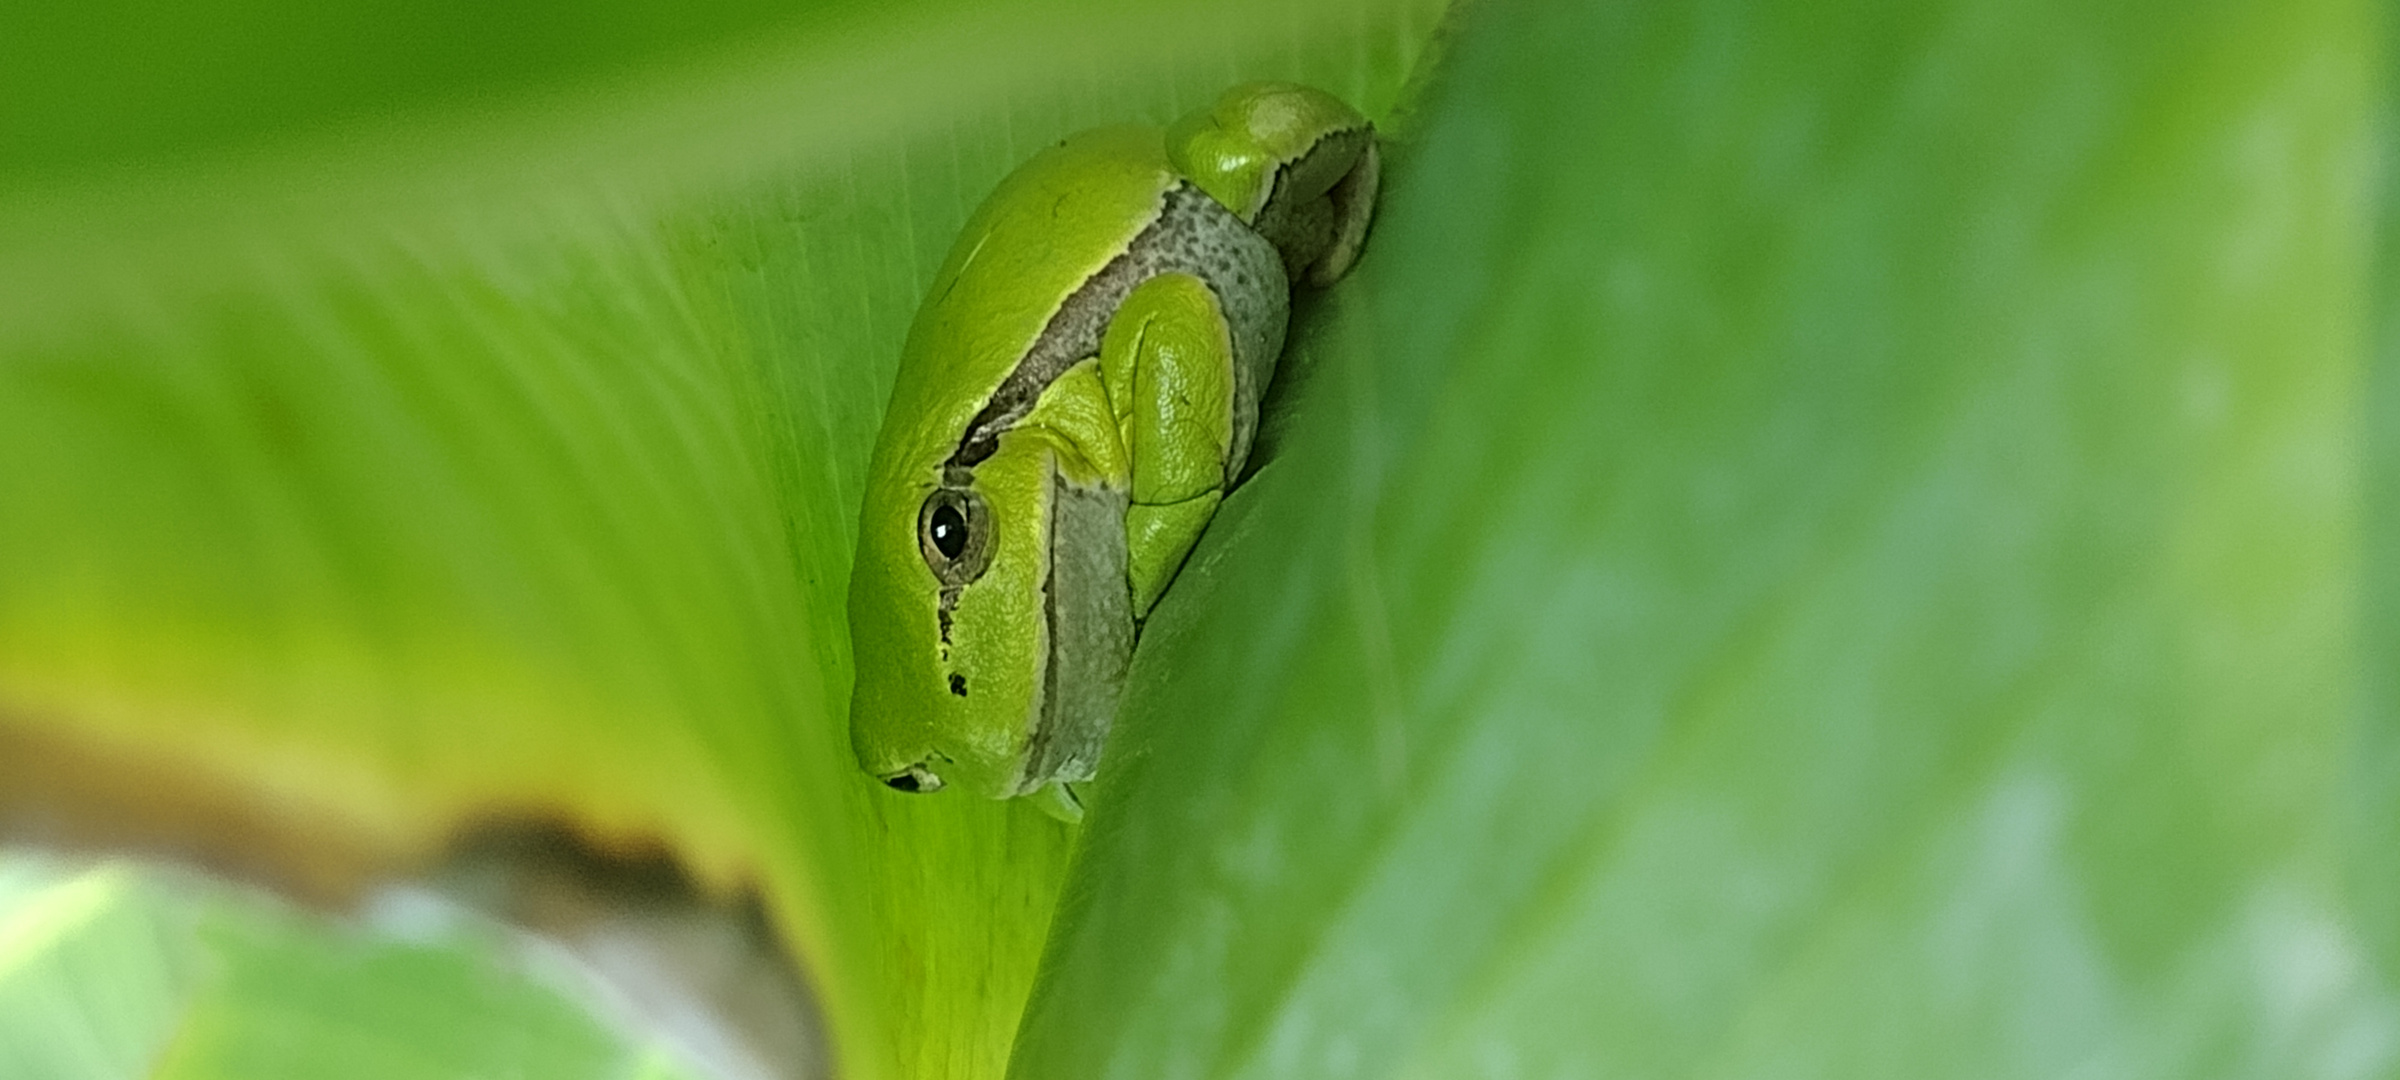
(1168, 364)
(1295, 163)
(1318, 210)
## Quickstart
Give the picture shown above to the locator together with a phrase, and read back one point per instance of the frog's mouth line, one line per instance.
(1087, 631)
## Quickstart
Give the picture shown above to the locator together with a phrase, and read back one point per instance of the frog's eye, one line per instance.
(954, 531)
(948, 531)
(916, 780)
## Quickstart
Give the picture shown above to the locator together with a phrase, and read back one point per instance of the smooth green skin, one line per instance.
(1150, 418)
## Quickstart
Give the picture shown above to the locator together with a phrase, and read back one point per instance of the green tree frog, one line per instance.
(1077, 393)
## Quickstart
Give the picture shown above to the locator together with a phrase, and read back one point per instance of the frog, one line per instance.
(1077, 394)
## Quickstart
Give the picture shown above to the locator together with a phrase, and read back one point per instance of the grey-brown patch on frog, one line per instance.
(1089, 614)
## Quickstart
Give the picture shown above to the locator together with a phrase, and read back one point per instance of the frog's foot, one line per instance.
(1352, 204)
(1058, 800)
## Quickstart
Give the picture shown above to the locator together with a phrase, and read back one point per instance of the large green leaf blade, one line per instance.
(393, 474)
(1818, 546)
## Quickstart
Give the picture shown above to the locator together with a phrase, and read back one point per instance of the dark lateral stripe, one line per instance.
(1088, 613)
(1193, 234)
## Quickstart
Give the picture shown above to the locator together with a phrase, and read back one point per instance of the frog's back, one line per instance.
(1051, 225)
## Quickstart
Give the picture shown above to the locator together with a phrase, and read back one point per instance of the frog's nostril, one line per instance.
(915, 781)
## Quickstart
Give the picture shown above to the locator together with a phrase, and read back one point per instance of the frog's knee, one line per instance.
(1295, 163)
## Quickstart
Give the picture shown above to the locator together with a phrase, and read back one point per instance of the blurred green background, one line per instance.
(1822, 539)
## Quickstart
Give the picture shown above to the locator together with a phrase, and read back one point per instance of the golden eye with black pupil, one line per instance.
(955, 534)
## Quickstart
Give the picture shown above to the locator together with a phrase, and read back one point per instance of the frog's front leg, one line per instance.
(1167, 361)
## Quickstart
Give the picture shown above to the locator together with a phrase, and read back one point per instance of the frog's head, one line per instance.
(948, 625)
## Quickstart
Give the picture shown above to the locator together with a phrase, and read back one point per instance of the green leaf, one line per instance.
(429, 443)
(93, 971)
(1818, 544)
